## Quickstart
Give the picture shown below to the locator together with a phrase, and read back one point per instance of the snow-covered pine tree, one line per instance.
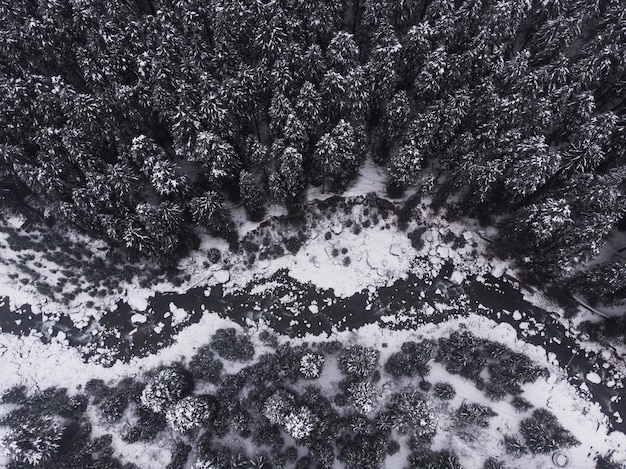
(335, 156)
(165, 388)
(363, 395)
(35, 442)
(207, 210)
(252, 196)
(342, 53)
(190, 413)
(217, 158)
(308, 108)
(287, 183)
(311, 365)
(358, 361)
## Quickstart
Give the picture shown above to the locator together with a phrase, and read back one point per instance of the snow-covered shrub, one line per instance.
(509, 373)
(358, 361)
(520, 404)
(363, 395)
(202, 463)
(147, 426)
(425, 385)
(311, 365)
(190, 413)
(424, 458)
(180, 454)
(514, 445)
(462, 353)
(444, 391)
(203, 365)
(365, 451)
(232, 346)
(411, 360)
(493, 463)
(412, 413)
(543, 433)
(278, 406)
(300, 423)
(164, 388)
(34, 442)
(474, 414)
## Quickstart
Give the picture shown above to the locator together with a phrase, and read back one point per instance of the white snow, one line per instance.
(138, 318)
(593, 378)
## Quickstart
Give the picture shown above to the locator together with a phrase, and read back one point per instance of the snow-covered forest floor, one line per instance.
(347, 245)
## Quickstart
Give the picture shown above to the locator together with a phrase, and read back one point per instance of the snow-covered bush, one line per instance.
(165, 388)
(365, 451)
(34, 442)
(493, 463)
(462, 353)
(514, 445)
(232, 346)
(427, 459)
(311, 365)
(203, 365)
(363, 395)
(412, 413)
(300, 423)
(445, 391)
(543, 433)
(190, 413)
(474, 414)
(520, 404)
(358, 361)
(206, 464)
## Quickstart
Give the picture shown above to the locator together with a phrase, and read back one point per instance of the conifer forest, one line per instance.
(297, 234)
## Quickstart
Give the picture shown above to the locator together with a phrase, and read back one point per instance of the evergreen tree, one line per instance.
(252, 197)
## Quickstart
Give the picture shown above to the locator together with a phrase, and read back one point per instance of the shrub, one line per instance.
(34, 442)
(425, 385)
(232, 346)
(204, 366)
(514, 445)
(293, 244)
(180, 454)
(543, 433)
(411, 413)
(445, 391)
(148, 425)
(165, 388)
(474, 414)
(190, 413)
(358, 361)
(520, 404)
(416, 239)
(428, 459)
(365, 451)
(493, 463)
(411, 360)
(462, 353)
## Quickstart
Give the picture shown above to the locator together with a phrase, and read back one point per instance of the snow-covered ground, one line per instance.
(26, 361)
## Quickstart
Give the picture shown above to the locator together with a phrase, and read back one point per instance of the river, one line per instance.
(294, 308)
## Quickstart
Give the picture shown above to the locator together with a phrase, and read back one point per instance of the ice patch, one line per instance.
(137, 302)
(138, 318)
(593, 378)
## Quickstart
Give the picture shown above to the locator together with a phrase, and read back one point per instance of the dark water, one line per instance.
(284, 304)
